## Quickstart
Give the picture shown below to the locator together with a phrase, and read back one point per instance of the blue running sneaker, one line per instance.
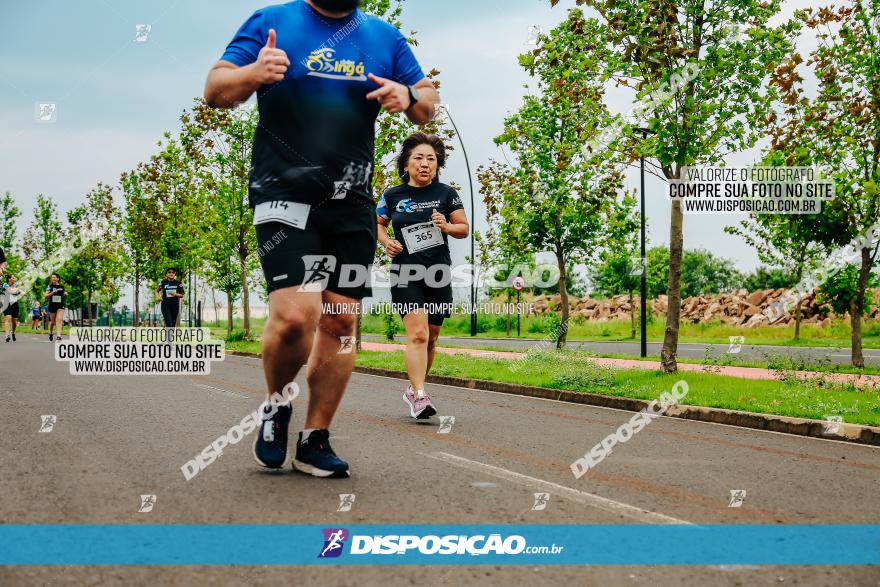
(315, 457)
(270, 448)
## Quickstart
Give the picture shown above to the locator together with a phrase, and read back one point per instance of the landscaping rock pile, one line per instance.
(739, 308)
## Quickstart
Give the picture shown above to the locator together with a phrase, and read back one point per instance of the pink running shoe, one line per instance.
(419, 408)
(424, 409)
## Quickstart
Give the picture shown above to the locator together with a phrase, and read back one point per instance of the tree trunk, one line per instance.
(89, 307)
(136, 319)
(632, 316)
(797, 308)
(856, 309)
(229, 312)
(216, 308)
(676, 246)
(563, 298)
(245, 298)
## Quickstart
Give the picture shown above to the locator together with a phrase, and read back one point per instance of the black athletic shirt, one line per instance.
(405, 205)
(169, 287)
(316, 136)
(57, 293)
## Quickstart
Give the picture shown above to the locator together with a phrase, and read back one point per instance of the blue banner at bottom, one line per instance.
(33, 544)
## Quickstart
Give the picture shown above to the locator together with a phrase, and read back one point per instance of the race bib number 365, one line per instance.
(419, 237)
(291, 213)
(56, 299)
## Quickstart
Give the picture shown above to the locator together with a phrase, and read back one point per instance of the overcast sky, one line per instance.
(116, 97)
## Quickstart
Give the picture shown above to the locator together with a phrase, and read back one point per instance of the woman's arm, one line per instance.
(458, 226)
(392, 247)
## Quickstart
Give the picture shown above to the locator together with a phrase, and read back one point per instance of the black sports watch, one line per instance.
(413, 96)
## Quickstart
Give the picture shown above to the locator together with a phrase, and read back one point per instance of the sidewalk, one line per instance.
(862, 381)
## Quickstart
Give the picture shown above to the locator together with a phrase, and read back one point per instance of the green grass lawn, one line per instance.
(813, 399)
(837, 335)
(569, 370)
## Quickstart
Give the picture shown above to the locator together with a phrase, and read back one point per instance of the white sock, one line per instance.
(420, 393)
(306, 433)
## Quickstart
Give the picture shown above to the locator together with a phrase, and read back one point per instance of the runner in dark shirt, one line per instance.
(423, 213)
(322, 71)
(55, 294)
(169, 292)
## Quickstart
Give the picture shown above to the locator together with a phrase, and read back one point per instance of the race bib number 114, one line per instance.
(293, 214)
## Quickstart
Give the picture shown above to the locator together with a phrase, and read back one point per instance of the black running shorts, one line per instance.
(437, 301)
(337, 245)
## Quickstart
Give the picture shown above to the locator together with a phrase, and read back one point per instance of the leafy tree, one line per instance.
(9, 213)
(617, 273)
(769, 278)
(218, 146)
(97, 268)
(141, 235)
(786, 241)
(838, 130)
(169, 179)
(841, 290)
(704, 272)
(555, 199)
(43, 236)
(703, 66)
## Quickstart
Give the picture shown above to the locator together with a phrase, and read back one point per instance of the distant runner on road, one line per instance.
(36, 315)
(12, 293)
(322, 71)
(169, 292)
(55, 294)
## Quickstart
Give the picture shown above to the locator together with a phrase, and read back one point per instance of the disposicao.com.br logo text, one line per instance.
(393, 544)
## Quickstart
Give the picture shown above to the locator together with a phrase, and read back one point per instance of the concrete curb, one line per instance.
(855, 433)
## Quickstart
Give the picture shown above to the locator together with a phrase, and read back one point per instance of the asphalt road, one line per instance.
(117, 438)
(814, 355)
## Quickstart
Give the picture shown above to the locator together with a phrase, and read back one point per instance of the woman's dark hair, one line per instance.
(410, 144)
(8, 277)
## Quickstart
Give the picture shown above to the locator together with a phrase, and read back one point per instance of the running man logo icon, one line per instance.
(446, 423)
(541, 501)
(46, 112)
(334, 541)
(141, 32)
(736, 344)
(832, 425)
(147, 503)
(346, 345)
(47, 423)
(532, 34)
(340, 189)
(346, 500)
(637, 266)
(319, 268)
(737, 497)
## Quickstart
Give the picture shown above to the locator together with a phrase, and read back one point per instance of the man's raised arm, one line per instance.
(229, 85)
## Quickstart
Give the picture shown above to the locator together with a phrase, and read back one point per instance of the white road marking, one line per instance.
(590, 499)
(226, 391)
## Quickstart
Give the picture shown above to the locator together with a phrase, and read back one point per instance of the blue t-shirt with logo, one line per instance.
(406, 206)
(316, 136)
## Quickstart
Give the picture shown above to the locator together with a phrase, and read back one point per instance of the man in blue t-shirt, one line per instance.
(322, 71)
